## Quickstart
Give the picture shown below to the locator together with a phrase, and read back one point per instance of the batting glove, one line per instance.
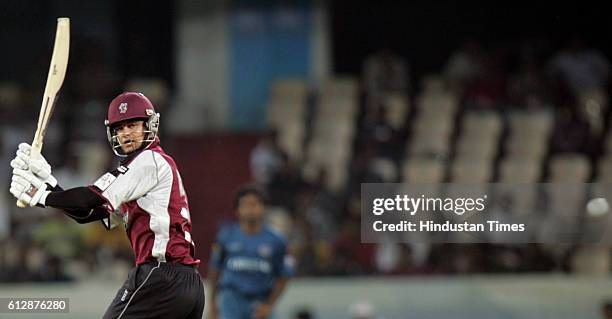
(28, 188)
(38, 166)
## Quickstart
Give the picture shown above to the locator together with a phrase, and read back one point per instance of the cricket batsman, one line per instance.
(145, 193)
(249, 266)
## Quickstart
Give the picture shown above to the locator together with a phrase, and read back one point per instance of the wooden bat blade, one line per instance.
(55, 79)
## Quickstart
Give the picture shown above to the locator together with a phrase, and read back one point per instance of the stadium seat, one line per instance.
(482, 123)
(432, 83)
(572, 168)
(480, 146)
(341, 130)
(346, 86)
(289, 89)
(438, 125)
(385, 168)
(519, 170)
(291, 140)
(528, 124)
(434, 144)
(437, 102)
(529, 147)
(423, 170)
(568, 173)
(605, 169)
(470, 170)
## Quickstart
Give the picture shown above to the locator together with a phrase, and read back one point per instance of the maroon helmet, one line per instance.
(131, 106)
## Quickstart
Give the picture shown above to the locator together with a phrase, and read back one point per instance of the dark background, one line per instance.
(424, 32)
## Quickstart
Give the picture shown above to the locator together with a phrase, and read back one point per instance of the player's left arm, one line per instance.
(277, 290)
(33, 177)
(80, 203)
(264, 310)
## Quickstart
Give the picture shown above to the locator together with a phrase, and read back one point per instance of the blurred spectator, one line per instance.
(527, 88)
(396, 259)
(607, 310)
(407, 263)
(379, 136)
(571, 133)
(580, 68)
(486, 89)
(304, 241)
(284, 184)
(464, 64)
(266, 159)
(385, 72)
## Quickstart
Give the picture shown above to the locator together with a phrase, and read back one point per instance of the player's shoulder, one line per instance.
(275, 235)
(142, 158)
(228, 231)
(149, 158)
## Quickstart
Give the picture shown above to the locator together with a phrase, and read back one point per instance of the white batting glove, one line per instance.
(38, 166)
(28, 188)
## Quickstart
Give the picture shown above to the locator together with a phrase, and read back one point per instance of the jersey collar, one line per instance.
(129, 158)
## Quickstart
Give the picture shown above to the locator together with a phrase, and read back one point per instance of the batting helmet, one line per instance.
(131, 106)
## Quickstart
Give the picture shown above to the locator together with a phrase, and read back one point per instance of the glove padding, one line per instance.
(28, 188)
(38, 166)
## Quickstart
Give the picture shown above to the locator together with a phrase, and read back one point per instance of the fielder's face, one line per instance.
(130, 135)
(250, 209)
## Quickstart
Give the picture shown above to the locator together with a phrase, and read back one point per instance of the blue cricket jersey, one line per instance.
(250, 264)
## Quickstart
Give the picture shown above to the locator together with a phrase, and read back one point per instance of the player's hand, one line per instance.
(38, 166)
(262, 311)
(28, 188)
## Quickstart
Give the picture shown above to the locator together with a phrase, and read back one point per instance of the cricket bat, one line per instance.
(55, 78)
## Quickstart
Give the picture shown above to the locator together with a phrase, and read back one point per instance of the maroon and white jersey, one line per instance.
(146, 194)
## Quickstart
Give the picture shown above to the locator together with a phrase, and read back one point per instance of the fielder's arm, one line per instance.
(277, 290)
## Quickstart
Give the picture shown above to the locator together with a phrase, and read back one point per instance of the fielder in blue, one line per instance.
(249, 266)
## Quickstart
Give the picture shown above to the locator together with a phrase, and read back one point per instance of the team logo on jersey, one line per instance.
(125, 293)
(264, 250)
(122, 108)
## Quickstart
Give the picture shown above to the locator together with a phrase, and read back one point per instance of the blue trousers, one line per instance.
(234, 305)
